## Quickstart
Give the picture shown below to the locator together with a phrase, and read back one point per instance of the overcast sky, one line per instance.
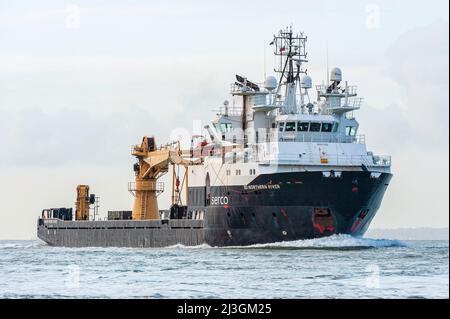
(81, 81)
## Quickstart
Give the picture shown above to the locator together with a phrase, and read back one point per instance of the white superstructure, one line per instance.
(279, 127)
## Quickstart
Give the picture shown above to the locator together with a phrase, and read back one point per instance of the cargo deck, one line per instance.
(121, 233)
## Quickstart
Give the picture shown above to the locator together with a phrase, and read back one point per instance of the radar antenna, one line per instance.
(290, 48)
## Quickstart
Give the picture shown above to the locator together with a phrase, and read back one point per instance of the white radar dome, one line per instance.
(336, 75)
(271, 83)
(306, 82)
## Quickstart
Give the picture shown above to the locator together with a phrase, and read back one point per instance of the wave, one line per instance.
(339, 241)
(21, 244)
(202, 246)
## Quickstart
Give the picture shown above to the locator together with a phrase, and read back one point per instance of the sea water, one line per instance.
(334, 267)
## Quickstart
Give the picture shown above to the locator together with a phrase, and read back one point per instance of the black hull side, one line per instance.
(288, 209)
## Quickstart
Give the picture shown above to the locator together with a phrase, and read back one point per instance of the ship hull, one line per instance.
(272, 208)
(293, 206)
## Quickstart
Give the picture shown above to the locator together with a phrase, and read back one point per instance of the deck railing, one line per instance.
(158, 187)
(312, 159)
(315, 137)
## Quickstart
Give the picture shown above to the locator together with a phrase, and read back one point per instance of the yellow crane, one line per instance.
(82, 203)
(153, 163)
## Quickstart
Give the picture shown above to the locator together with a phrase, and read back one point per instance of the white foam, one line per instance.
(340, 241)
(202, 246)
(334, 241)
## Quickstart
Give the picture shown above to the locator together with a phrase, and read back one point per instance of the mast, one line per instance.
(291, 50)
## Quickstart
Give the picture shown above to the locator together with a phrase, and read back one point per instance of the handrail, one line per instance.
(230, 111)
(311, 159)
(257, 154)
(314, 137)
(157, 186)
(307, 137)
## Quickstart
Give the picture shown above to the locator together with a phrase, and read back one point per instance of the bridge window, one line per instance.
(303, 126)
(280, 126)
(314, 127)
(326, 127)
(290, 127)
(225, 127)
(350, 130)
(335, 127)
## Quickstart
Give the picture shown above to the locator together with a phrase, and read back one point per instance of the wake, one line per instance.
(334, 242)
(339, 241)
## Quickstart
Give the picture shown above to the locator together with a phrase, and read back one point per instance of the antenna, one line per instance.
(264, 60)
(328, 69)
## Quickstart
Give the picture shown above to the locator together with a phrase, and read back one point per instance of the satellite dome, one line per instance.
(336, 75)
(271, 83)
(306, 82)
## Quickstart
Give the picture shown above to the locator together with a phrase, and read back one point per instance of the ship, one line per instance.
(276, 164)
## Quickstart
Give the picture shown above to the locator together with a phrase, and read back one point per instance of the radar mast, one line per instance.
(290, 49)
